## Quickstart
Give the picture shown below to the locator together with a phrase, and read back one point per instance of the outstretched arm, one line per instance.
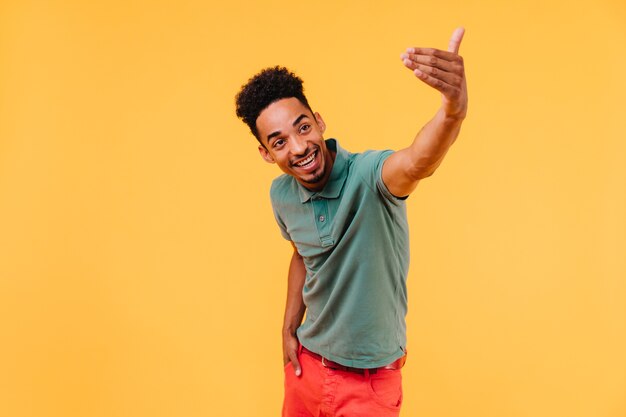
(444, 71)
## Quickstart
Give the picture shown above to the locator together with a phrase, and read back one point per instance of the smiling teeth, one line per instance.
(307, 161)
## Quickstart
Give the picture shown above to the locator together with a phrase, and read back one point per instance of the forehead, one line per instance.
(280, 115)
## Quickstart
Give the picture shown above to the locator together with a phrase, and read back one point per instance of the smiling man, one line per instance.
(345, 215)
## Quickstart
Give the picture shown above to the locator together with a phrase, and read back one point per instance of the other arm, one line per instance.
(444, 71)
(294, 310)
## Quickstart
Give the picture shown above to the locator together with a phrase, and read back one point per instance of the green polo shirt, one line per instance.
(353, 237)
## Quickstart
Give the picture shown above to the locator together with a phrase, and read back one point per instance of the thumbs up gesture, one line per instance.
(444, 71)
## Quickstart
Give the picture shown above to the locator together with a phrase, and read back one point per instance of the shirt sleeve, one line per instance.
(281, 224)
(380, 184)
(370, 169)
(279, 220)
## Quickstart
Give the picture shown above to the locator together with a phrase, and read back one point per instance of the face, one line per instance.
(291, 137)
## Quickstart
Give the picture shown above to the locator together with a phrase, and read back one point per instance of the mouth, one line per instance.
(307, 162)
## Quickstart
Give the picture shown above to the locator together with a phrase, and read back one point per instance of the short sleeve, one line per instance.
(274, 199)
(281, 224)
(371, 170)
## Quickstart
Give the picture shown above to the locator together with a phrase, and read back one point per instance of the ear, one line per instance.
(320, 122)
(266, 155)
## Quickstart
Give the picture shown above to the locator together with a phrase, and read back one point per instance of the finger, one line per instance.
(455, 40)
(293, 357)
(448, 77)
(440, 85)
(432, 61)
(445, 55)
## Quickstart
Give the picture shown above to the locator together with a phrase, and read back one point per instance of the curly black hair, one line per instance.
(266, 87)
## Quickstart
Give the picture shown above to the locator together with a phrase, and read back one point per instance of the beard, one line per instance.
(315, 179)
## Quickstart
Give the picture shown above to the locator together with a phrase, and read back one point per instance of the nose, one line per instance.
(298, 145)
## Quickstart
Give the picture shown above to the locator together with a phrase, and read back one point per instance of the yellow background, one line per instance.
(142, 274)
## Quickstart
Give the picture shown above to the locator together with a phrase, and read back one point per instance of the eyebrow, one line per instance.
(274, 134)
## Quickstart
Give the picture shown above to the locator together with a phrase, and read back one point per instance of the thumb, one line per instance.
(293, 357)
(455, 40)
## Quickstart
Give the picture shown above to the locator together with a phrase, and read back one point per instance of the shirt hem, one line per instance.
(356, 363)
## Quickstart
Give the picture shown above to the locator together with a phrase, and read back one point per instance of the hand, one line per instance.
(290, 353)
(443, 71)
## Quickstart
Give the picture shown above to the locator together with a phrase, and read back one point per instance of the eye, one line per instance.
(278, 143)
(305, 128)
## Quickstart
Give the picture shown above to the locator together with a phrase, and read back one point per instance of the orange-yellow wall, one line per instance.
(142, 274)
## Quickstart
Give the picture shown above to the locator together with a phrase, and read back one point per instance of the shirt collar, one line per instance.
(337, 178)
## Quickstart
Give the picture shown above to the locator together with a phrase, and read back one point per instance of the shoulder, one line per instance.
(368, 166)
(282, 187)
(369, 161)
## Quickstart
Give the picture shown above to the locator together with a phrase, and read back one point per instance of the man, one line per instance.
(346, 219)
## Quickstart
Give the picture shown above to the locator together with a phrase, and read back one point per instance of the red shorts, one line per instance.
(324, 392)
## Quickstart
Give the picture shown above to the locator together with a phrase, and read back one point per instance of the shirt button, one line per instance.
(322, 218)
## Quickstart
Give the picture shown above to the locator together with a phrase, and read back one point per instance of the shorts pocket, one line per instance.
(385, 388)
